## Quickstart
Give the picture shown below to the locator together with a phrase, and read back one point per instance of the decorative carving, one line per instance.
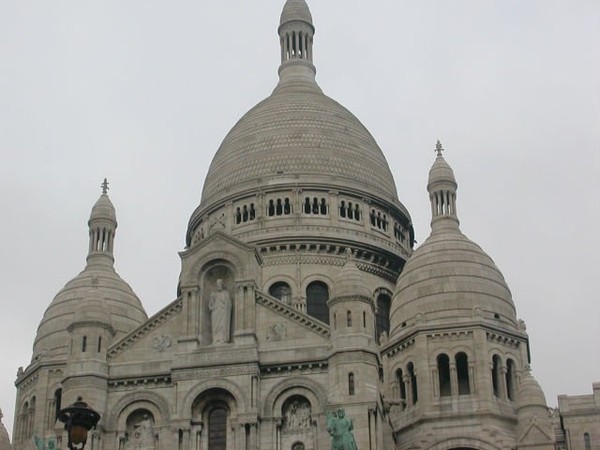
(140, 431)
(276, 332)
(297, 416)
(214, 372)
(220, 313)
(198, 235)
(217, 223)
(162, 342)
(137, 334)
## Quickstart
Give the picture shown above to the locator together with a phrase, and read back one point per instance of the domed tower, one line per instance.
(456, 347)
(296, 186)
(90, 311)
(535, 430)
(300, 180)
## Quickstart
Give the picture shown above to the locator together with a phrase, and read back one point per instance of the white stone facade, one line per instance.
(302, 242)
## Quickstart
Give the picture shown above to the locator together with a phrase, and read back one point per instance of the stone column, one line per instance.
(472, 380)
(435, 380)
(502, 382)
(334, 208)
(408, 388)
(453, 379)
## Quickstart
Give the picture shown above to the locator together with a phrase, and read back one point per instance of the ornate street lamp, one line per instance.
(78, 418)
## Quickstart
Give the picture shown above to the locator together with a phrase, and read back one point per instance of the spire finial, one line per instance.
(104, 186)
(438, 148)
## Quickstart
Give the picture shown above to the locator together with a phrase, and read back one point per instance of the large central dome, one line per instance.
(298, 134)
(299, 166)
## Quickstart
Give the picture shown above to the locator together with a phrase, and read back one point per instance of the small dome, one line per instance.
(295, 10)
(4, 439)
(530, 393)
(103, 209)
(441, 172)
(447, 278)
(118, 299)
(350, 282)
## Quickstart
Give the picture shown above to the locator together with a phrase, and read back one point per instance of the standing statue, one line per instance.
(340, 429)
(220, 314)
(41, 444)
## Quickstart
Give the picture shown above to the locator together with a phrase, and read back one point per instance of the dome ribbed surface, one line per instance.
(446, 279)
(126, 310)
(103, 209)
(92, 309)
(530, 393)
(295, 10)
(441, 172)
(298, 135)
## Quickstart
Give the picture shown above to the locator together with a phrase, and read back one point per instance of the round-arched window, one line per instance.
(282, 291)
(317, 295)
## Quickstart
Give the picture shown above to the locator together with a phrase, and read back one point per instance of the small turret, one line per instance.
(102, 226)
(534, 430)
(442, 188)
(296, 32)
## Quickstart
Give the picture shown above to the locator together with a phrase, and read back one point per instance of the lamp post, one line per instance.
(78, 418)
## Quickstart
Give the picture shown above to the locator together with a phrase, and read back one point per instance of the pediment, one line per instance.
(154, 339)
(282, 322)
(534, 434)
(218, 247)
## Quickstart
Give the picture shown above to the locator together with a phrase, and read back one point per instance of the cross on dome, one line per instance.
(104, 186)
(438, 148)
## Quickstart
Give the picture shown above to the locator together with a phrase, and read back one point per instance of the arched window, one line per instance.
(443, 365)
(84, 344)
(298, 446)
(410, 368)
(587, 442)
(282, 291)
(271, 208)
(510, 379)
(496, 375)
(349, 319)
(57, 403)
(382, 320)
(401, 388)
(462, 372)
(350, 383)
(217, 428)
(317, 295)
(99, 344)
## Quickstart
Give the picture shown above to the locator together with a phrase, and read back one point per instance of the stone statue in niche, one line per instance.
(340, 428)
(297, 416)
(219, 305)
(141, 433)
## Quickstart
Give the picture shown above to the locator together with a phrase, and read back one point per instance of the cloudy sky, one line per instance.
(143, 91)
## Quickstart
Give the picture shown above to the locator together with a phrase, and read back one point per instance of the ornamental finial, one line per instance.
(104, 186)
(438, 148)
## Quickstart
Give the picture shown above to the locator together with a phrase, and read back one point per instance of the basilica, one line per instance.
(305, 319)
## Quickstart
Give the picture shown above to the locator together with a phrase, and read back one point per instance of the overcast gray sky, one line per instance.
(143, 91)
